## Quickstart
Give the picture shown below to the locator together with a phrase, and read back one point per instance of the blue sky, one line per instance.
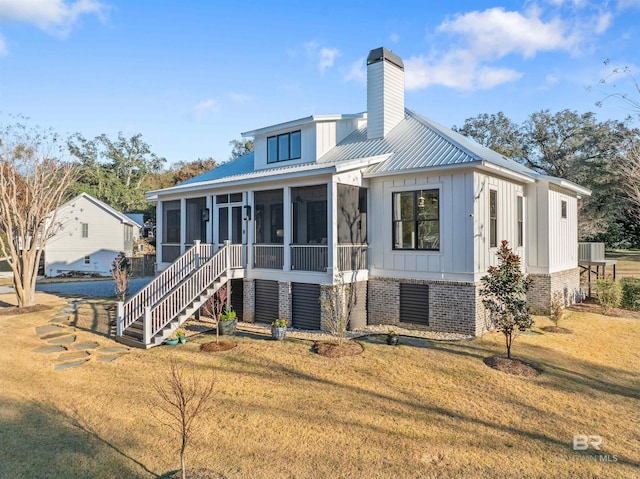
(191, 76)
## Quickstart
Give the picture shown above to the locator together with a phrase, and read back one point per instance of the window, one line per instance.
(85, 230)
(563, 209)
(87, 260)
(416, 220)
(520, 221)
(493, 218)
(284, 147)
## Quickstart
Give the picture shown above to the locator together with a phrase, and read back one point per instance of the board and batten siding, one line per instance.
(454, 260)
(67, 250)
(507, 219)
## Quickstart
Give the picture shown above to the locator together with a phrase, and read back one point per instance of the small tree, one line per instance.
(120, 274)
(182, 401)
(556, 308)
(215, 306)
(504, 290)
(337, 301)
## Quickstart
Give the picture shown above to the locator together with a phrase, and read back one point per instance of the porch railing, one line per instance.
(269, 256)
(164, 282)
(352, 257)
(309, 257)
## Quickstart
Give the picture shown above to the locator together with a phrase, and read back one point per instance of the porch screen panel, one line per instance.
(223, 225)
(236, 225)
(352, 214)
(269, 217)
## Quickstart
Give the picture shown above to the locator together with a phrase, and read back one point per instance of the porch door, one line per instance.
(230, 221)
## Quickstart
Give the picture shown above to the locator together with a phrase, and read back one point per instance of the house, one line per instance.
(406, 210)
(91, 235)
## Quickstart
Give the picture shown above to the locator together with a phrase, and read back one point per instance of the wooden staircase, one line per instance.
(149, 317)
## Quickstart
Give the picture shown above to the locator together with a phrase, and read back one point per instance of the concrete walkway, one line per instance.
(62, 342)
(99, 288)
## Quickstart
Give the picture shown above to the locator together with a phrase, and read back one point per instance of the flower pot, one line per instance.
(227, 328)
(278, 333)
(171, 342)
(392, 340)
(182, 339)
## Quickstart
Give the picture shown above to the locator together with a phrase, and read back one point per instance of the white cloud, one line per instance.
(357, 72)
(323, 57)
(53, 16)
(394, 38)
(239, 98)
(603, 22)
(199, 111)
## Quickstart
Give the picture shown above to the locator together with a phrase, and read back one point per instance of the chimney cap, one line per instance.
(382, 54)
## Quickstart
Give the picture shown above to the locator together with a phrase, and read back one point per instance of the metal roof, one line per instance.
(240, 166)
(381, 54)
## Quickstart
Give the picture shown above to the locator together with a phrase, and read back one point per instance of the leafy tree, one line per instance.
(494, 131)
(34, 182)
(504, 289)
(115, 171)
(183, 171)
(241, 147)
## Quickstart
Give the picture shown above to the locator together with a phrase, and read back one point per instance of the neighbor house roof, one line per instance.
(121, 216)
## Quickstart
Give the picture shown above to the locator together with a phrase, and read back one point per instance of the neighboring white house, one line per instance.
(407, 209)
(90, 237)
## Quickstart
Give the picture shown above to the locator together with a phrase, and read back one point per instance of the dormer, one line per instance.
(300, 141)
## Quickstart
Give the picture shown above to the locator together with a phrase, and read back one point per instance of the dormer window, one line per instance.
(284, 147)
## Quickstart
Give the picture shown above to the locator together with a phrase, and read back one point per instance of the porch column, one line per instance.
(287, 225)
(250, 226)
(209, 232)
(159, 235)
(183, 223)
(332, 226)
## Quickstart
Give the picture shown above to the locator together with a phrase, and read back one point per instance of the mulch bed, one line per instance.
(331, 349)
(514, 366)
(14, 310)
(213, 347)
(557, 329)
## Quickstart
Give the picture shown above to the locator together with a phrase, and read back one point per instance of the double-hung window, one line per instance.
(416, 220)
(284, 147)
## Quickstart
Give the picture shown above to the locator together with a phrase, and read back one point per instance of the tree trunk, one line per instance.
(508, 339)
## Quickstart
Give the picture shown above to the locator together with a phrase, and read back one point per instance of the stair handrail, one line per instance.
(158, 316)
(132, 309)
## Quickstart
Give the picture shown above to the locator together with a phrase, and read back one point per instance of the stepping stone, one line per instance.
(40, 330)
(72, 356)
(108, 359)
(114, 349)
(54, 335)
(64, 340)
(60, 320)
(60, 367)
(83, 346)
(50, 349)
(59, 315)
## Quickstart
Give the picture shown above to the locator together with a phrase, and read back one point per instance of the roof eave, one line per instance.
(569, 185)
(301, 121)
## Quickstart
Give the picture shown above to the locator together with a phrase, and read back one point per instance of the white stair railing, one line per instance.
(134, 307)
(158, 316)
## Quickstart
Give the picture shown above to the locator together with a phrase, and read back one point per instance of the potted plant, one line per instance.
(392, 338)
(172, 340)
(227, 321)
(181, 335)
(279, 329)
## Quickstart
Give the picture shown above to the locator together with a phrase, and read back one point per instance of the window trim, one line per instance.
(493, 220)
(289, 136)
(520, 220)
(415, 220)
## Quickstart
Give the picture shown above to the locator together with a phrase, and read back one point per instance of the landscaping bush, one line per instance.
(609, 294)
(630, 293)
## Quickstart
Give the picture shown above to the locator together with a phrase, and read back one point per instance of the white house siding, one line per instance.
(454, 261)
(325, 137)
(507, 220)
(563, 233)
(307, 145)
(385, 98)
(67, 250)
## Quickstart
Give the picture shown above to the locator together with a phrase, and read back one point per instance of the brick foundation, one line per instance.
(248, 300)
(285, 305)
(454, 307)
(543, 286)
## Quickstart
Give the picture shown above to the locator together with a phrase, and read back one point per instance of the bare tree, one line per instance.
(183, 399)
(33, 184)
(630, 169)
(337, 301)
(215, 306)
(120, 274)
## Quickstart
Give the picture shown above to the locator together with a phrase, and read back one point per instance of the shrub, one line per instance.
(556, 307)
(609, 294)
(630, 293)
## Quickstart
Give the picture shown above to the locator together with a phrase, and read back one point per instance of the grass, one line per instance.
(628, 263)
(427, 410)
